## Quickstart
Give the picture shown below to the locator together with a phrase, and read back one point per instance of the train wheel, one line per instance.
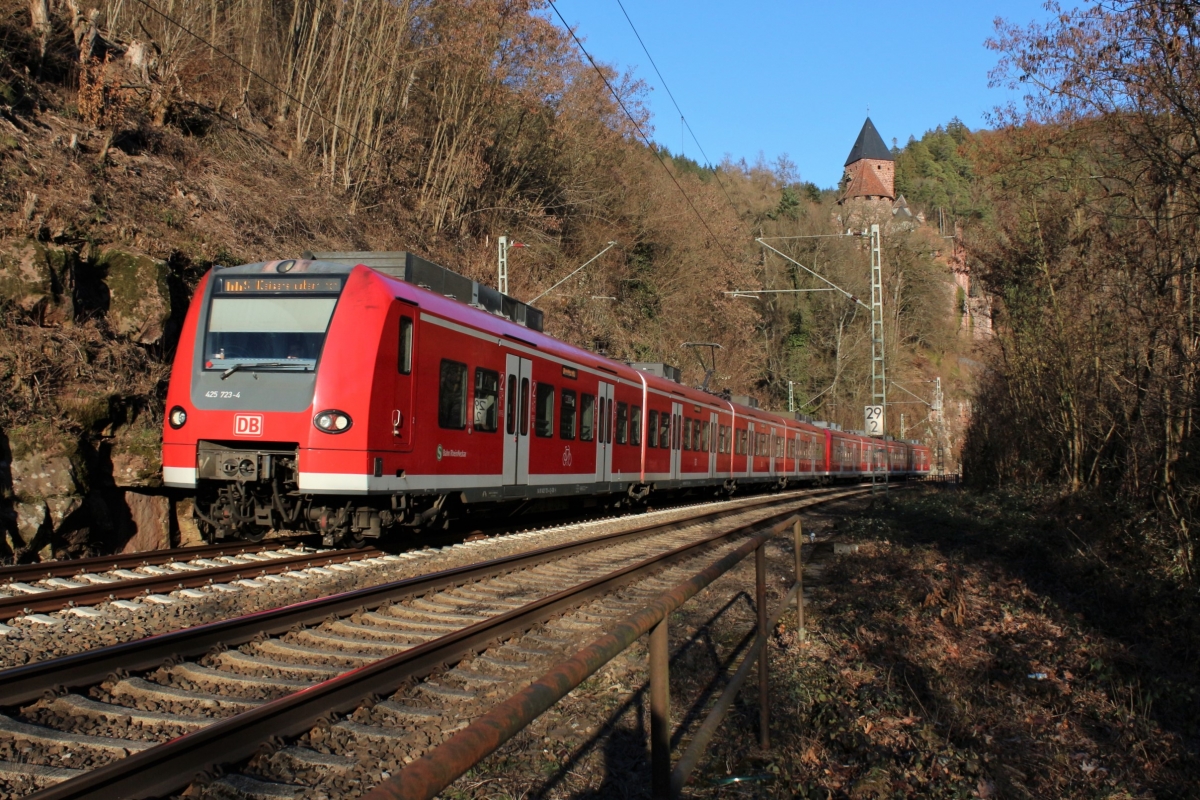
(252, 534)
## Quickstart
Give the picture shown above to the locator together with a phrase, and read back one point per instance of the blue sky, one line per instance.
(796, 78)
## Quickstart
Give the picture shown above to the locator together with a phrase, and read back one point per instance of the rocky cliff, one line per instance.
(82, 363)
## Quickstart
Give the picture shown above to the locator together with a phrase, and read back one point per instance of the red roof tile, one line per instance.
(864, 182)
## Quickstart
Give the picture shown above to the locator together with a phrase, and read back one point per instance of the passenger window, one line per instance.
(487, 395)
(622, 423)
(404, 362)
(510, 406)
(543, 423)
(587, 417)
(705, 436)
(524, 406)
(687, 433)
(664, 431)
(566, 415)
(635, 425)
(652, 439)
(452, 395)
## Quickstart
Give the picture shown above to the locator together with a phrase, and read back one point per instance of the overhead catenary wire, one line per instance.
(616, 96)
(682, 118)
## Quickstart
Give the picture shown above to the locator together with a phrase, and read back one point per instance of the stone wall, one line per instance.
(84, 337)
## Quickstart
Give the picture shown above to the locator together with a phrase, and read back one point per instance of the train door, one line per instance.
(402, 385)
(518, 373)
(751, 448)
(604, 431)
(773, 451)
(713, 437)
(676, 438)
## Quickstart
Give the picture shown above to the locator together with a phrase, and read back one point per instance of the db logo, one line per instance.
(247, 424)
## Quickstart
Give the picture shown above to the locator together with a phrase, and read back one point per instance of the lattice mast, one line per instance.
(878, 370)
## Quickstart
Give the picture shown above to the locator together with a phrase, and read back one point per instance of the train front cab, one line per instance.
(245, 402)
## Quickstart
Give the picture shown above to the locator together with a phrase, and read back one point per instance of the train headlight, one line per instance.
(333, 421)
(177, 417)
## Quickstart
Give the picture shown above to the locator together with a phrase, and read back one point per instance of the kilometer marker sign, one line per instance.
(873, 420)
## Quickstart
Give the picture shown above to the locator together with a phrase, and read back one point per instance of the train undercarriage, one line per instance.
(243, 494)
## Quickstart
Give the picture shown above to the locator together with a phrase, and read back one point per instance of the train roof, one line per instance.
(411, 268)
(455, 297)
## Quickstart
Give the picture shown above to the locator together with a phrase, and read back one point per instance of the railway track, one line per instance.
(144, 717)
(66, 568)
(84, 589)
(34, 590)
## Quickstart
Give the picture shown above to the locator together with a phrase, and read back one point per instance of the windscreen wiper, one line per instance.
(259, 364)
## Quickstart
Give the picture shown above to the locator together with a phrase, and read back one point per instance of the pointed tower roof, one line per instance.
(865, 183)
(869, 144)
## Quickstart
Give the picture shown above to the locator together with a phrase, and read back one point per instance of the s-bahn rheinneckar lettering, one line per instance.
(362, 401)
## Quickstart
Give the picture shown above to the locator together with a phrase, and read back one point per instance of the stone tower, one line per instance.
(868, 187)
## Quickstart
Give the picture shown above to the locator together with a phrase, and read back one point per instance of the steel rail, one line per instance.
(28, 682)
(74, 566)
(171, 766)
(59, 599)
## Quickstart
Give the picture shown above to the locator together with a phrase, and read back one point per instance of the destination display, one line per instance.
(277, 285)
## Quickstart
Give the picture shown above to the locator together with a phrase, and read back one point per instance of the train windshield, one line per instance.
(266, 330)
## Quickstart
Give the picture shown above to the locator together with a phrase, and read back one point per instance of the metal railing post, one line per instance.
(760, 593)
(798, 536)
(660, 713)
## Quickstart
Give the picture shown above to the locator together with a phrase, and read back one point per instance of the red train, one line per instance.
(325, 394)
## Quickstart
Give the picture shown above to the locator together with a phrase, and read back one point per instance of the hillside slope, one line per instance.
(135, 156)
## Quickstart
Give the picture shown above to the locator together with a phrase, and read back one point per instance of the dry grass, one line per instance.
(976, 648)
